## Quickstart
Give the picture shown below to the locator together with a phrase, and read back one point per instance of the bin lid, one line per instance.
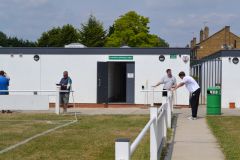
(214, 89)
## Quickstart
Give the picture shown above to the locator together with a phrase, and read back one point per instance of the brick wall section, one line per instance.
(216, 41)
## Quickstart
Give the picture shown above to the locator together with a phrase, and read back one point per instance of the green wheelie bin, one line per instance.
(214, 101)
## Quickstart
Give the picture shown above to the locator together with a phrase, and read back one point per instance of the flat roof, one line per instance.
(94, 51)
(223, 53)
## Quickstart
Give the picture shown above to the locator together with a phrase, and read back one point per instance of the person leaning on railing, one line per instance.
(168, 81)
(4, 83)
(193, 87)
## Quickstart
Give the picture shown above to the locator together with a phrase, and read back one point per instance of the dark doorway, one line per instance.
(115, 82)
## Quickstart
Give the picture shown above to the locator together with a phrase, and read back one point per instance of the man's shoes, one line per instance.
(192, 118)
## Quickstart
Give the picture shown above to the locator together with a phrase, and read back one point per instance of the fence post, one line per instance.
(171, 100)
(152, 103)
(122, 149)
(165, 122)
(57, 101)
(169, 112)
(154, 134)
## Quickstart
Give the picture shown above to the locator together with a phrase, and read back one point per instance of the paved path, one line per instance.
(193, 139)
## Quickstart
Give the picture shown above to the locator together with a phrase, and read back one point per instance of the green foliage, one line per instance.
(227, 131)
(92, 33)
(6, 41)
(132, 30)
(110, 31)
(58, 37)
(3, 39)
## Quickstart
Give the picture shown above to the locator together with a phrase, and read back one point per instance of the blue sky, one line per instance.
(176, 21)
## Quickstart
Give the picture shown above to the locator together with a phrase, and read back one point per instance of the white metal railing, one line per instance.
(160, 120)
(35, 92)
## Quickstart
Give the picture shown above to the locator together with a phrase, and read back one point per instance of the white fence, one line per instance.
(30, 99)
(160, 120)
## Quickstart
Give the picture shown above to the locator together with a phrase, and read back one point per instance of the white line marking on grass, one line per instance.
(34, 137)
(35, 120)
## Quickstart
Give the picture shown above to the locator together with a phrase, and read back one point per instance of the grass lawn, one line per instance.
(227, 131)
(91, 138)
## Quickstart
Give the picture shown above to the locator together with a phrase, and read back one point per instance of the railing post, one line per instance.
(152, 103)
(154, 134)
(169, 113)
(57, 101)
(171, 101)
(165, 123)
(122, 149)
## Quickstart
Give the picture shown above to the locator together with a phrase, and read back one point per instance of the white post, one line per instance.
(171, 101)
(122, 149)
(152, 94)
(169, 112)
(154, 134)
(57, 101)
(165, 119)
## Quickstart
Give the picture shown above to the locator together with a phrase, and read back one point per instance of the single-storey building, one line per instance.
(220, 69)
(99, 75)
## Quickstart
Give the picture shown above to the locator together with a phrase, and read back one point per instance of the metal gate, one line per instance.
(208, 73)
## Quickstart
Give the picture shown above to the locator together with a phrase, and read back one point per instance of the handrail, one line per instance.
(140, 136)
(160, 120)
(61, 91)
(156, 91)
(56, 94)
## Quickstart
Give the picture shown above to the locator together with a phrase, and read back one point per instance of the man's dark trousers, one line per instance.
(195, 102)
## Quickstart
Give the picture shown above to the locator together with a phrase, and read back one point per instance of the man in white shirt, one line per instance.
(193, 87)
(168, 81)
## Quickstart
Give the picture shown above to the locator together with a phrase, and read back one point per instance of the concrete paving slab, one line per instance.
(193, 139)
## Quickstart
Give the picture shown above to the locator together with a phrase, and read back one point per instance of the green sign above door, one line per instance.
(173, 56)
(120, 58)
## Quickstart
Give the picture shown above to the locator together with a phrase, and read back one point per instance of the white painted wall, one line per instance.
(149, 68)
(230, 83)
(25, 73)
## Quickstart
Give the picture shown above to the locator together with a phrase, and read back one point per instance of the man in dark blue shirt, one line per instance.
(66, 84)
(4, 83)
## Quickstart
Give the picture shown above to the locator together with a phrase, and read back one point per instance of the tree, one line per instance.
(58, 37)
(15, 42)
(132, 30)
(110, 30)
(6, 41)
(92, 33)
(3, 39)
